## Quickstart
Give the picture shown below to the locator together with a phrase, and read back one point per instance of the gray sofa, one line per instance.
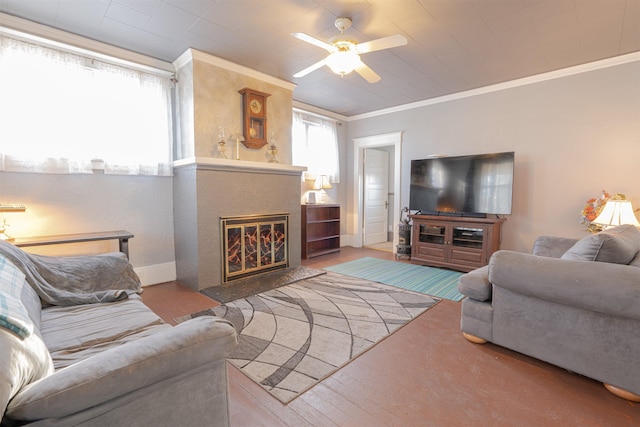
(572, 303)
(79, 348)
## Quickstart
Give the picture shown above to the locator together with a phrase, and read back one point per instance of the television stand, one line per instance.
(473, 215)
(455, 242)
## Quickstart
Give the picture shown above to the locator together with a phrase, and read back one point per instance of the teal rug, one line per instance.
(427, 280)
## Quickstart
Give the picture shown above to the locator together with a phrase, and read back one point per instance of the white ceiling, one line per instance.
(454, 45)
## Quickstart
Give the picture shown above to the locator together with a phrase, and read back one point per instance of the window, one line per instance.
(315, 145)
(60, 110)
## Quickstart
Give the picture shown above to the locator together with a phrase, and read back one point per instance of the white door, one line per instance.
(376, 193)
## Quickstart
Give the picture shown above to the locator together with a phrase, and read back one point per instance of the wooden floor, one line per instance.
(425, 374)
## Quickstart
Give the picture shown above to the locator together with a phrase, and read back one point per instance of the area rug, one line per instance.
(292, 337)
(259, 283)
(438, 282)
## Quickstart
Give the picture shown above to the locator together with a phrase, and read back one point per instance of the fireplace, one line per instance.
(206, 190)
(253, 244)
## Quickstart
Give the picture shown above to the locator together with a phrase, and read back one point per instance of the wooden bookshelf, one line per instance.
(320, 229)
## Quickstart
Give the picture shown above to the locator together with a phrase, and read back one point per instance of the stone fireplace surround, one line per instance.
(206, 189)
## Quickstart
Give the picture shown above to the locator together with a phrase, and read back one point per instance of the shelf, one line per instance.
(439, 240)
(320, 229)
(322, 252)
(467, 244)
(317, 239)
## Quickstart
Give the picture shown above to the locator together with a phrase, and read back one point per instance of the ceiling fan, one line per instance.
(345, 52)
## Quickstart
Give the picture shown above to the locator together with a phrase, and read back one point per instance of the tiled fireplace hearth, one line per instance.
(207, 191)
(253, 244)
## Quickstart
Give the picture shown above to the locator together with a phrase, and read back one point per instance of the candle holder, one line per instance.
(272, 151)
(221, 146)
(221, 150)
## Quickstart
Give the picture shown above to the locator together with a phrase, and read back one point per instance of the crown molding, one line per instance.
(190, 54)
(551, 75)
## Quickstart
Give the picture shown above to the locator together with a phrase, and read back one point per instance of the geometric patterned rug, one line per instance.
(292, 337)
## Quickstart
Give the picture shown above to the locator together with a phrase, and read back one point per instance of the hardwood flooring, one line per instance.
(425, 374)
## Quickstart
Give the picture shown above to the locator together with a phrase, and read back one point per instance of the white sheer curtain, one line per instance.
(315, 145)
(60, 110)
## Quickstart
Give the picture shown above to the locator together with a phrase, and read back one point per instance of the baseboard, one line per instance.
(157, 273)
(349, 240)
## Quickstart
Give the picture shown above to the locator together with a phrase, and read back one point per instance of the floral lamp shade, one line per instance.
(617, 211)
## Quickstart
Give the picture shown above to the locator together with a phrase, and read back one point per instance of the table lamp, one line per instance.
(617, 211)
(322, 182)
(4, 225)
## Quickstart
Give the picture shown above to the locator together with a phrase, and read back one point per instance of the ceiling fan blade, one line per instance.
(314, 41)
(383, 43)
(367, 73)
(310, 69)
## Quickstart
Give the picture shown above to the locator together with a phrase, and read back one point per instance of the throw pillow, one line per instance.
(13, 314)
(24, 358)
(617, 245)
(22, 361)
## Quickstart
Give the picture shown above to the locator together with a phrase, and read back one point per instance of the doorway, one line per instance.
(394, 143)
(375, 210)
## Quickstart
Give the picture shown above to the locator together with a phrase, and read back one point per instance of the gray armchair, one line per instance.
(575, 304)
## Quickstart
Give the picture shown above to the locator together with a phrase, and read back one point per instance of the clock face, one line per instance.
(256, 106)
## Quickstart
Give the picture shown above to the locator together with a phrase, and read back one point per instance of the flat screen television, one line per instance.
(474, 185)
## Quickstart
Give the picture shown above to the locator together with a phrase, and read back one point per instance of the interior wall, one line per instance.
(67, 204)
(573, 137)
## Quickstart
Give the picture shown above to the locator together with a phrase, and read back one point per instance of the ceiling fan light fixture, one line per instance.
(343, 61)
(344, 52)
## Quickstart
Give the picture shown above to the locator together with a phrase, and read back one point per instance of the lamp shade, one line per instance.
(322, 183)
(617, 211)
(343, 61)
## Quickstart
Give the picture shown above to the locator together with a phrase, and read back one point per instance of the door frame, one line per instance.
(359, 144)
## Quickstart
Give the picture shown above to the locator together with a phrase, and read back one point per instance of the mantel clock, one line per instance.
(254, 117)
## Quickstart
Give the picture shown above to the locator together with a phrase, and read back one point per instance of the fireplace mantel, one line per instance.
(227, 165)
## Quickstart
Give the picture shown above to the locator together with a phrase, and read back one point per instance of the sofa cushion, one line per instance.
(78, 332)
(23, 356)
(617, 245)
(552, 246)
